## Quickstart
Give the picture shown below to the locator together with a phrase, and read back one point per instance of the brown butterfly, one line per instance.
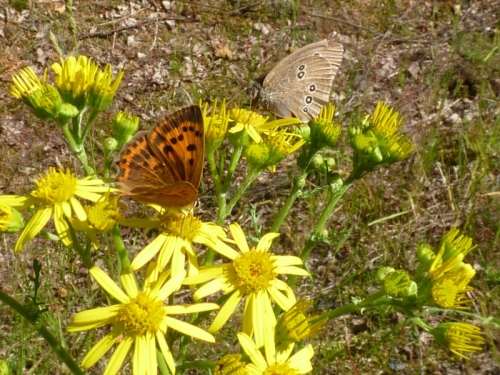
(299, 86)
(164, 166)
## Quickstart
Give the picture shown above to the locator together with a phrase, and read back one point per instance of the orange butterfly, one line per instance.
(164, 166)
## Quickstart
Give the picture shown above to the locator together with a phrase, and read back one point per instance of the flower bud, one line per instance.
(124, 127)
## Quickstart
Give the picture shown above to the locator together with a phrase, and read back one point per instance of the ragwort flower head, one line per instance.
(176, 241)
(103, 89)
(139, 319)
(276, 362)
(450, 290)
(74, 77)
(250, 122)
(324, 131)
(11, 220)
(294, 325)
(452, 251)
(26, 84)
(376, 141)
(82, 83)
(56, 196)
(215, 124)
(281, 144)
(459, 337)
(101, 217)
(124, 127)
(230, 365)
(42, 97)
(253, 275)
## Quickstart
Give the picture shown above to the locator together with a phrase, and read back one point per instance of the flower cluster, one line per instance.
(55, 196)
(376, 141)
(442, 280)
(80, 83)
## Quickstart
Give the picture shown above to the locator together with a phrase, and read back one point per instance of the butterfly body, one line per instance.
(299, 85)
(164, 166)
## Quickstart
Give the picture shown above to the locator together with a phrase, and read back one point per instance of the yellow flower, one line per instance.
(178, 234)
(139, 318)
(376, 142)
(230, 365)
(82, 82)
(42, 97)
(11, 220)
(103, 88)
(124, 127)
(26, 83)
(282, 363)
(216, 123)
(324, 131)
(450, 290)
(253, 275)
(452, 251)
(252, 122)
(55, 196)
(255, 124)
(101, 217)
(294, 326)
(459, 337)
(75, 76)
(385, 120)
(282, 144)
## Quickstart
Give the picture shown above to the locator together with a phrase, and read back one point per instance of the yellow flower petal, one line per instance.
(101, 348)
(239, 237)
(301, 361)
(149, 252)
(119, 355)
(226, 311)
(108, 285)
(210, 288)
(129, 283)
(94, 318)
(17, 201)
(167, 354)
(62, 227)
(78, 209)
(252, 351)
(189, 329)
(266, 241)
(34, 226)
(189, 309)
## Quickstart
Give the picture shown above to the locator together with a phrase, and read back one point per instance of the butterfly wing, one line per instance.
(179, 141)
(165, 165)
(300, 84)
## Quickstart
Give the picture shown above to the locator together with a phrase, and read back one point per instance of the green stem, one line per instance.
(349, 309)
(108, 160)
(43, 331)
(183, 347)
(253, 173)
(320, 225)
(90, 121)
(318, 228)
(221, 195)
(83, 252)
(294, 194)
(235, 158)
(77, 149)
(120, 248)
(214, 172)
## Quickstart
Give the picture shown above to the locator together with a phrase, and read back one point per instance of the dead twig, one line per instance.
(377, 35)
(102, 33)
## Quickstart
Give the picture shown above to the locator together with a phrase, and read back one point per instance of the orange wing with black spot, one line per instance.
(165, 166)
